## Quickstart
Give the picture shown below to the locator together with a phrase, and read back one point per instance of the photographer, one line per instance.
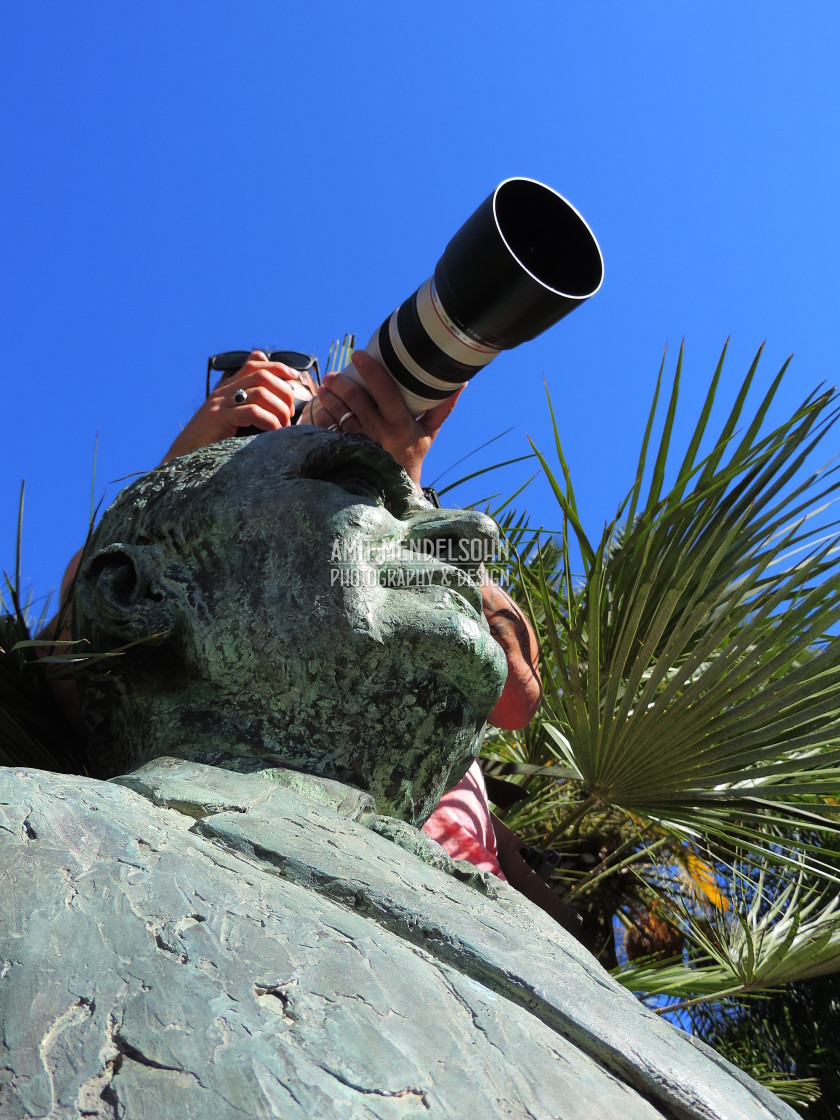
(261, 394)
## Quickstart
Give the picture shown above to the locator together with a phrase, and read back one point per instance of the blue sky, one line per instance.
(183, 178)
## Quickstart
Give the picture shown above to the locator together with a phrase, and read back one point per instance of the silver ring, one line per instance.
(332, 428)
(343, 418)
(240, 396)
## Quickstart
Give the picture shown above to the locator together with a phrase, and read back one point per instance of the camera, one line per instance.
(522, 261)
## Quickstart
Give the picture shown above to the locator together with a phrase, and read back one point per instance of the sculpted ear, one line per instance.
(125, 593)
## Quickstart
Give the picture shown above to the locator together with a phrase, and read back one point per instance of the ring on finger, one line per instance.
(240, 396)
(346, 416)
(332, 428)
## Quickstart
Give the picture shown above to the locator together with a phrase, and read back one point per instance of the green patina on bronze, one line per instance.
(239, 931)
(287, 618)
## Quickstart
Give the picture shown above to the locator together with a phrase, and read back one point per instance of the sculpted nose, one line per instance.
(462, 537)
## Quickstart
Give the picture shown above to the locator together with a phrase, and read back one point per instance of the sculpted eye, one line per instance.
(362, 486)
(363, 469)
(356, 479)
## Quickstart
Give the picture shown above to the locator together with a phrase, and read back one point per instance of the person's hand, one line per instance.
(380, 413)
(270, 404)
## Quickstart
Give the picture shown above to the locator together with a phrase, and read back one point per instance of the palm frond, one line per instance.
(692, 672)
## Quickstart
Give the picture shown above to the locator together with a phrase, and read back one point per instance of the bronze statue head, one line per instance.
(292, 606)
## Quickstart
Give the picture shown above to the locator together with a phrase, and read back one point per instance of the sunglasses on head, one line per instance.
(230, 361)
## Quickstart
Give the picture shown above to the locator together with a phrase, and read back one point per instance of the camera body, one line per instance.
(304, 388)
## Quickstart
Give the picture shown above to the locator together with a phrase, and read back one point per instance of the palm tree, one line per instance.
(796, 1029)
(686, 763)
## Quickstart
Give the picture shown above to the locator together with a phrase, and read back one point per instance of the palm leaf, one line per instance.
(693, 673)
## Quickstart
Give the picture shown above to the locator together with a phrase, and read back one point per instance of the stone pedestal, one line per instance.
(187, 942)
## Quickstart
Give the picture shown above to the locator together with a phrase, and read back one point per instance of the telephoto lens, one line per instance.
(519, 264)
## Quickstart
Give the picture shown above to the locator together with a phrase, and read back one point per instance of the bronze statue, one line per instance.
(238, 925)
(291, 610)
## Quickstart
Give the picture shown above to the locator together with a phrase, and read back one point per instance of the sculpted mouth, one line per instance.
(459, 596)
(440, 581)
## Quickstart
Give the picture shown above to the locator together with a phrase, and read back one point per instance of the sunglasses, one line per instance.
(230, 361)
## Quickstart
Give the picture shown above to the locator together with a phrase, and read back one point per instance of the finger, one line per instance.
(281, 380)
(285, 372)
(340, 412)
(432, 420)
(255, 364)
(349, 422)
(255, 416)
(253, 358)
(261, 378)
(345, 395)
(266, 401)
(327, 415)
(383, 388)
